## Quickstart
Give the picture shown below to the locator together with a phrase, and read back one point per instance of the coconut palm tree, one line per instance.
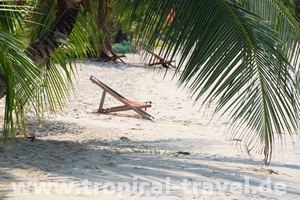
(240, 54)
(36, 71)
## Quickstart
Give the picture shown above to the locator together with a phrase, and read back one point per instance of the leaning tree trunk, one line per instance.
(46, 44)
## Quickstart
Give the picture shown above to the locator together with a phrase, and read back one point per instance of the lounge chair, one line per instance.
(110, 54)
(156, 60)
(128, 105)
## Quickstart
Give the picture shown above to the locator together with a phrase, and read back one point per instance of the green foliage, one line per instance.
(121, 48)
(239, 54)
(45, 87)
(21, 75)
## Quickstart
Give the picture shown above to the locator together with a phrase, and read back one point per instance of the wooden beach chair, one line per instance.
(110, 54)
(128, 105)
(157, 60)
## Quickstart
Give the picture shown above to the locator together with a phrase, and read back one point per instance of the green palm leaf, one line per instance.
(20, 81)
(236, 58)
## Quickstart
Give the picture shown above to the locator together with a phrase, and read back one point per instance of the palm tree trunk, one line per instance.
(45, 45)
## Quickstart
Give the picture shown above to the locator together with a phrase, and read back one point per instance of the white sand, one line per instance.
(147, 157)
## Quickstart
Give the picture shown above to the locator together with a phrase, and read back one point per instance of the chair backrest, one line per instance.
(107, 51)
(105, 87)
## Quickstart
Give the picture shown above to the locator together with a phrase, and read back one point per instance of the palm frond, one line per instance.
(20, 80)
(282, 21)
(11, 15)
(237, 58)
(58, 72)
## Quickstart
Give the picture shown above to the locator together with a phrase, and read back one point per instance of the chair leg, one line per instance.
(102, 101)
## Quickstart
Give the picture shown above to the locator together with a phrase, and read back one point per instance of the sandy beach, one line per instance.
(182, 154)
